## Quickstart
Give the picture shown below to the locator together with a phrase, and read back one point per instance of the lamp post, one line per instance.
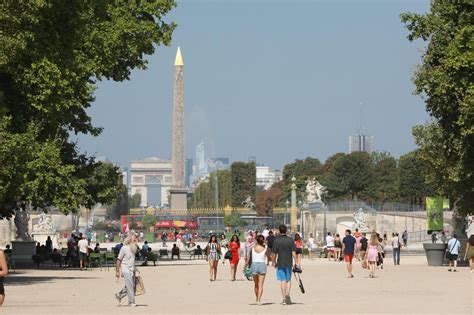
(216, 165)
(294, 209)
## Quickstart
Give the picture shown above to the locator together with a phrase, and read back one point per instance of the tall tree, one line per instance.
(244, 182)
(445, 80)
(350, 175)
(267, 200)
(412, 184)
(53, 53)
(134, 201)
(385, 181)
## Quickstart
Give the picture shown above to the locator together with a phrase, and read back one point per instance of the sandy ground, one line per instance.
(184, 287)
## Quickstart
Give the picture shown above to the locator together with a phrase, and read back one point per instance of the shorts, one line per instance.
(299, 251)
(453, 257)
(82, 255)
(2, 288)
(330, 248)
(259, 268)
(283, 273)
(348, 258)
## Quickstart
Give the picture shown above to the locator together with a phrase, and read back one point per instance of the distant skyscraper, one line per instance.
(188, 172)
(361, 142)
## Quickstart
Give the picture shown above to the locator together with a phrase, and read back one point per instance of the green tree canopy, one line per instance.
(445, 80)
(385, 181)
(149, 220)
(53, 53)
(244, 182)
(234, 220)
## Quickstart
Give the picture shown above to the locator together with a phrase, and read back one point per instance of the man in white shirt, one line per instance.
(330, 245)
(453, 252)
(125, 267)
(83, 245)
(396, 244)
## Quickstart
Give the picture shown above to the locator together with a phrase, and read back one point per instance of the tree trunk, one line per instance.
(459, 223)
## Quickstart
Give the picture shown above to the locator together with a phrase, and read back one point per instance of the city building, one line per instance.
(152, 179)
(361, 142)
(266, 177)
(203, 165)
(188, 172)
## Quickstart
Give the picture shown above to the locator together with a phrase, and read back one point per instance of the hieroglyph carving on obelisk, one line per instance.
(178, 122)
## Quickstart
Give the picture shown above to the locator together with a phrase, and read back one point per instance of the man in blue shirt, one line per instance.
(348, 248)
(453, 249)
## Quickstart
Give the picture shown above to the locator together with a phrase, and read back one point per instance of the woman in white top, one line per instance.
(258, 266)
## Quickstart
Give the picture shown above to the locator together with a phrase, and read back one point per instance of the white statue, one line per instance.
(247, 203)
(359, 220)
(314, 191)
(45, 223)
(470, 225)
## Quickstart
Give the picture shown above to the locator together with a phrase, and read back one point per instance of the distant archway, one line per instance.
(153, 185)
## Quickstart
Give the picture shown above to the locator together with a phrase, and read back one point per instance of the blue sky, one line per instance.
(279, 80)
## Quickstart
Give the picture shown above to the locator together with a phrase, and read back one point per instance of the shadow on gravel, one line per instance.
(28, 280)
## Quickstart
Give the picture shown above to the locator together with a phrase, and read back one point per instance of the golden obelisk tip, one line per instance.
(179, 59)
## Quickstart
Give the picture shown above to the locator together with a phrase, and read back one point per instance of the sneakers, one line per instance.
(132, 305)
(288, 299)
(119, 300)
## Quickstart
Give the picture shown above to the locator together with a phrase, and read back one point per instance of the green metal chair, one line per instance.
(95, 258)
(109, 257)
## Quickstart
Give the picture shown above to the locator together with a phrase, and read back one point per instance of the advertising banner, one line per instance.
(434, 213)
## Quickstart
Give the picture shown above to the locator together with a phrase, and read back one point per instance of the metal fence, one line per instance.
(352, 206)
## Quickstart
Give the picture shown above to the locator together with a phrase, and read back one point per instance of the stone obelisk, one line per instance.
(178, 193)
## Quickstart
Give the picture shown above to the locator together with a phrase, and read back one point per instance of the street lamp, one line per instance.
(216, 165)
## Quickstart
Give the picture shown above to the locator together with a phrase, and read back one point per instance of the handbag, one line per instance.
(364, 264)
(449, 256)
(228, 255)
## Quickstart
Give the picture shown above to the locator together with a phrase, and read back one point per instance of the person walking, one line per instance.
(311, 245)
(224, 247)
(125, 267)
(270, 239)
(284, 254)
(470, 252)
(213, 250)
(396, 244)
(3, 274)
(381, 251)
(453, 252)
(83, 245)
(405, 238)
(337, 247)
(330, 246)
(363, 244)
(298, 251)
(348, 248)
(234, 247)
(372, 254)
(258, 267)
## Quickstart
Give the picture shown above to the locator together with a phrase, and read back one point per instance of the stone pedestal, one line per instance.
(178, 199)
(23, 250)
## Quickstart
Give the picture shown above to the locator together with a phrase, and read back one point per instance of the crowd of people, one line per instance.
(260, 250)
